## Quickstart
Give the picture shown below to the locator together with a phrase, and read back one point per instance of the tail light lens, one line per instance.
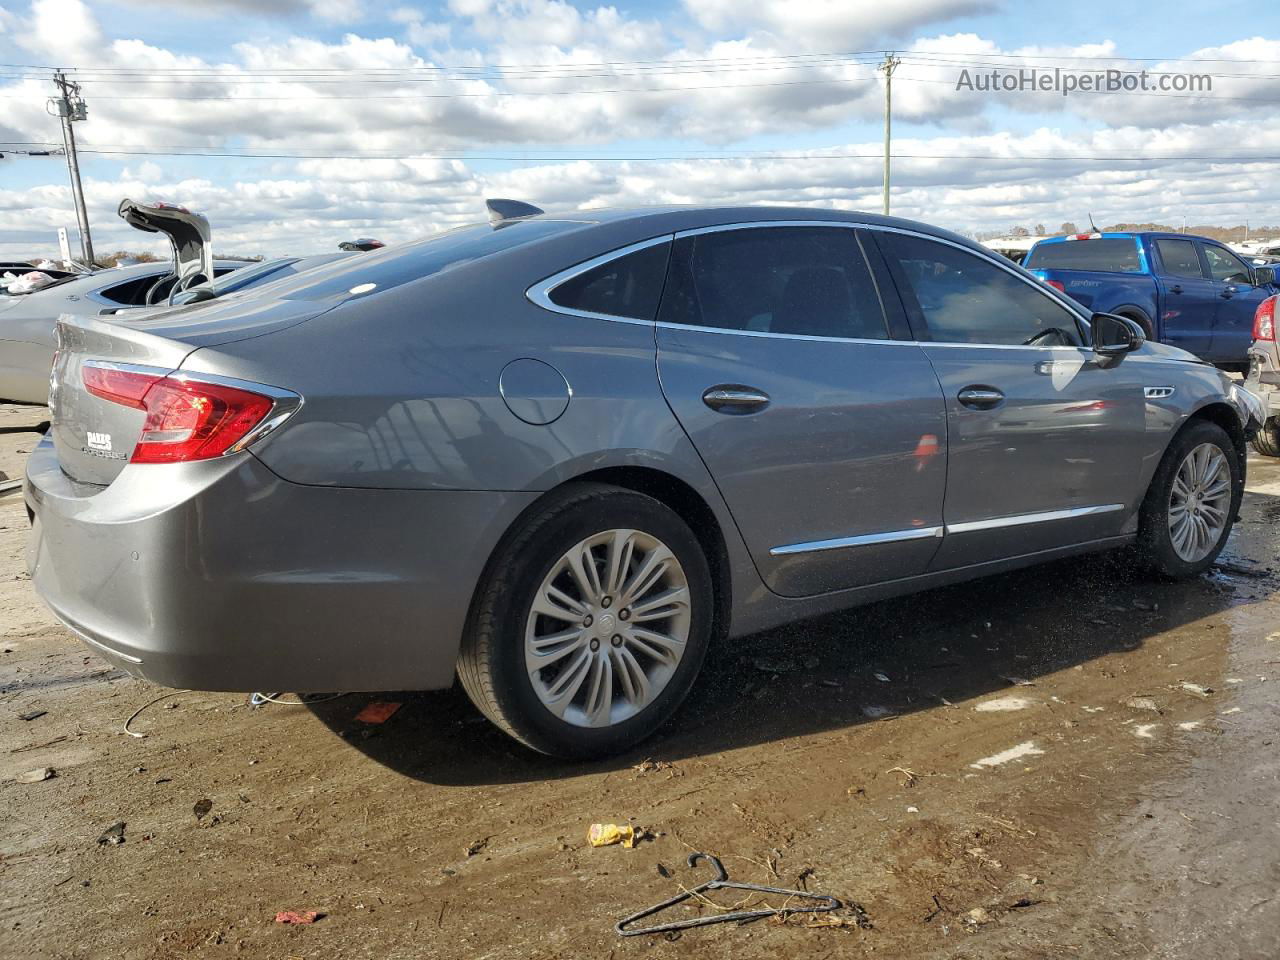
(1057, 285)
(1264, 320)
(187, 418)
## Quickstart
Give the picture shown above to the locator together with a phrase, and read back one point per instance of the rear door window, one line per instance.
(1180, 259)
(626, 286)
(954, 296)
(798, 281)
(1106, 254)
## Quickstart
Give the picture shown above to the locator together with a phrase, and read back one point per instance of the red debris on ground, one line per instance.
(377, 711)
(293, 917)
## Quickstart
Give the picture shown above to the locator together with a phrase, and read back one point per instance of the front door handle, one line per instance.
(1176, 288)
(980, 398)
(735, 398)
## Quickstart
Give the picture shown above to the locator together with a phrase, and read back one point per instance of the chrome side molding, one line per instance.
(1019, 519)
(893, 536)
(924, 533)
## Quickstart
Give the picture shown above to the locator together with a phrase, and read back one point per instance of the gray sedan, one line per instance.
(559, 457)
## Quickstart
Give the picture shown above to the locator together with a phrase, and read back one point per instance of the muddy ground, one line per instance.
(844, 754)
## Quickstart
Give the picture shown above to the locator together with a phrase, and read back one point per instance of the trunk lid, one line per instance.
(189, 235)
(95, 437)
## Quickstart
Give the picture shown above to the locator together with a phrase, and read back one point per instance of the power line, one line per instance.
(667, 158)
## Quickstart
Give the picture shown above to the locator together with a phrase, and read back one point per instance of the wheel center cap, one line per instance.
(605, 623)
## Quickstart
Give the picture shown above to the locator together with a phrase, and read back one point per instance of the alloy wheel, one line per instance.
(1199, 501)
(608, 627)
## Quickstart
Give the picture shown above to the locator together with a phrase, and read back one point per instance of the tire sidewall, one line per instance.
(511, 684)
(1156, 540)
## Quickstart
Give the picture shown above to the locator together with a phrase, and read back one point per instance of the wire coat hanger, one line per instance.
(721, 881)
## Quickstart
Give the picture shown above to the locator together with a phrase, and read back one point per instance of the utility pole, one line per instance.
(890, 64)
(69, 106)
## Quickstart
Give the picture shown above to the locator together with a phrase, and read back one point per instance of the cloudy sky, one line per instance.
(294, 124)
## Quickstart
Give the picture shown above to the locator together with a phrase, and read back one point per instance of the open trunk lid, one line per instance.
(189, 235)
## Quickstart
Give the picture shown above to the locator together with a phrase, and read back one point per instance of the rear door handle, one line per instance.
(1176, 288)
(980, 398)
(1228, 293)
(735, 398)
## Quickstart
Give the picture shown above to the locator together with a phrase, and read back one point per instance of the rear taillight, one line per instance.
(187, 418)
(1264, 320)
(1057, 285)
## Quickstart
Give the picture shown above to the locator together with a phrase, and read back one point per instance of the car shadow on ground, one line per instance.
(921, 652)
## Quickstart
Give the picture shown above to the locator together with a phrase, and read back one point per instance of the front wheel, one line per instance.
(591, 624)
(1192, 502)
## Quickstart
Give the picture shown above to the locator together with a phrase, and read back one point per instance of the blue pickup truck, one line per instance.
(1190, 292)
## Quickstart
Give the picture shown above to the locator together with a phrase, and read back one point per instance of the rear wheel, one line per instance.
(1267, 439)
(591, 624)
(1192, 502)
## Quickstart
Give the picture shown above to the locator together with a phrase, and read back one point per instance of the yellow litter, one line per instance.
(607, 834)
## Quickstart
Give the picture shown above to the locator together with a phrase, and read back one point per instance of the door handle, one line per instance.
(1228, 293)
(980, 398)
(735, 398)
(1176, 288)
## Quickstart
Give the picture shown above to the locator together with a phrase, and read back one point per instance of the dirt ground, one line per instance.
(1069, 761)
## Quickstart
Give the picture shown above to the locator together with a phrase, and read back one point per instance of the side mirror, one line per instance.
(197, 295)
(1115, 336)
(1264, 276)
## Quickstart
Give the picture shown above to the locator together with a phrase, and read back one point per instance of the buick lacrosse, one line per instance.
(558, 456)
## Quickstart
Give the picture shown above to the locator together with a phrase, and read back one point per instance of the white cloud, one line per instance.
(973, 183)
(722, 99)
(824, 25)
(333, 11)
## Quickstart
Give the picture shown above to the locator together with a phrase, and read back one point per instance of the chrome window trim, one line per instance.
(667, 325)
(1004, 346)
(757, 224)
(1016, 520)
(869, 539)
(284, 403)
(540, 293)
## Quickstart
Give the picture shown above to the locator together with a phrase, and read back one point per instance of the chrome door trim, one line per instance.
(869, 539)
(1088, 351)
(995, 523)
(668, 325)
(540, 293)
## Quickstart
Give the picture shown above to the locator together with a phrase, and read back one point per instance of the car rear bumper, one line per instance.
(218, 575)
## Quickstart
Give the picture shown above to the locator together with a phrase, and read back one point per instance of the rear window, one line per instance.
(393, 266)
(627, 286)
(1108, 255)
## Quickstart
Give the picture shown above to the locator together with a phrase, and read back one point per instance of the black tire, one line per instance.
(491, 664)
(1140, 319)
(1267, 439)
(1155, 542)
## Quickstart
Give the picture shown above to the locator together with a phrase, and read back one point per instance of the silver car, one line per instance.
(558, 457)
